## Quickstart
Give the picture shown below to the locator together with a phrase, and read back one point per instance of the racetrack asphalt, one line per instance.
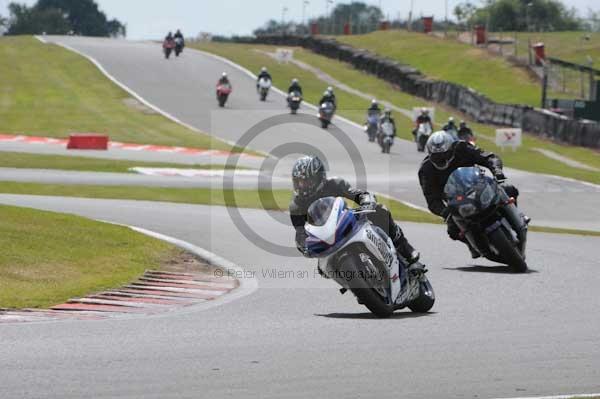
(490, 334)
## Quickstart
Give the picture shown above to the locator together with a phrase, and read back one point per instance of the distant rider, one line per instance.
(328, 97)
(179, 35)
(374, 107)
(295, 86)
(332, 95)
(464, 132)
(445, 156)
(224, 79)
(263, 74)
(386, 117)
(311, 183)
(422, 118)
(450, 126)
(169, 39)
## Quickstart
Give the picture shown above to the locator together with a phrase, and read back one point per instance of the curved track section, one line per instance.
(492, 334)
(184, 88)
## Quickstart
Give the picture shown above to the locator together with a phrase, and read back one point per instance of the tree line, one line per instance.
(61, 17)
(497, 15)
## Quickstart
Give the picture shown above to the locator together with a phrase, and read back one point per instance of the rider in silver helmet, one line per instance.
(311, 183)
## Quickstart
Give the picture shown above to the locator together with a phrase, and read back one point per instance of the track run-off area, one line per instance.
(491, 333)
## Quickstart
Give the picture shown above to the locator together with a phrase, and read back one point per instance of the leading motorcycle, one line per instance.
(361, 258)
(487, 217)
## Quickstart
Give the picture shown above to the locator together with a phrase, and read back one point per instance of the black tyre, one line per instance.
(366, 295)
(508, 252)
(324, 123)
(426, 299)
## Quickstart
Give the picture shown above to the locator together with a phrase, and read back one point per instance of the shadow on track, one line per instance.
(367, 315)
(487, 269)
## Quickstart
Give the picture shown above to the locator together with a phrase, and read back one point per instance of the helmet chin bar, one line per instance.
(448, 162)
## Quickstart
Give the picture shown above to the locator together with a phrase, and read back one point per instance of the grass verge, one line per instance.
(353, 107)
(276, 200)
(54, 92)
(455, 62)
(48, 257)
(62, 162)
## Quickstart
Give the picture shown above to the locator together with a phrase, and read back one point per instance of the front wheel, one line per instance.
(324, 123)
(508, 251)
(364, 292)
(426, 299)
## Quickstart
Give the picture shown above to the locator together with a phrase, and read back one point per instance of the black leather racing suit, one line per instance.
(295, 87)
(328, 98)
(337, 187)
(465, 133)
(434, 180)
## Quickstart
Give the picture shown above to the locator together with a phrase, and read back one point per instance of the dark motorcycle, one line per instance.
(294, 100)
(487, 217)
(178, 46)
(326, 111)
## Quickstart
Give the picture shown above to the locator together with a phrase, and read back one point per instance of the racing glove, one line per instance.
(368, 201)
(499, 175)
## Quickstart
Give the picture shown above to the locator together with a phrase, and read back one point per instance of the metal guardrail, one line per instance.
(464, 99)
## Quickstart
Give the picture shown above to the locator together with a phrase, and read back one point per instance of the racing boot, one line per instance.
(406, 251)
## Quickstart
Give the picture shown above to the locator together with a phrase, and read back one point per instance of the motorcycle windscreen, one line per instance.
(320, 210)
(462, 180)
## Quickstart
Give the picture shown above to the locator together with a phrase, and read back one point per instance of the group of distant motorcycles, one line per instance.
(294, 100)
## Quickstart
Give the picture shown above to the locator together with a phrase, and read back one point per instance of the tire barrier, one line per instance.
(464, 99)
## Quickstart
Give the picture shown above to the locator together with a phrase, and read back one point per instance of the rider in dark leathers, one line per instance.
(464, 132)
(328, 97)
(445, 156)
(295, 86)
(374, 107)
(311, 183)
(178, 34)
(450, 125)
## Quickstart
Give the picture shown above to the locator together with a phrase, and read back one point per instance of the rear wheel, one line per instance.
(507, 251)
(324, 123)
(366, 294)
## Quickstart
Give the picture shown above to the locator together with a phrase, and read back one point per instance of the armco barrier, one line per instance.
(461, 98)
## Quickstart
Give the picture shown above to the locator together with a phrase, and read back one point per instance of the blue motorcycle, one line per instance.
(488, 218)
